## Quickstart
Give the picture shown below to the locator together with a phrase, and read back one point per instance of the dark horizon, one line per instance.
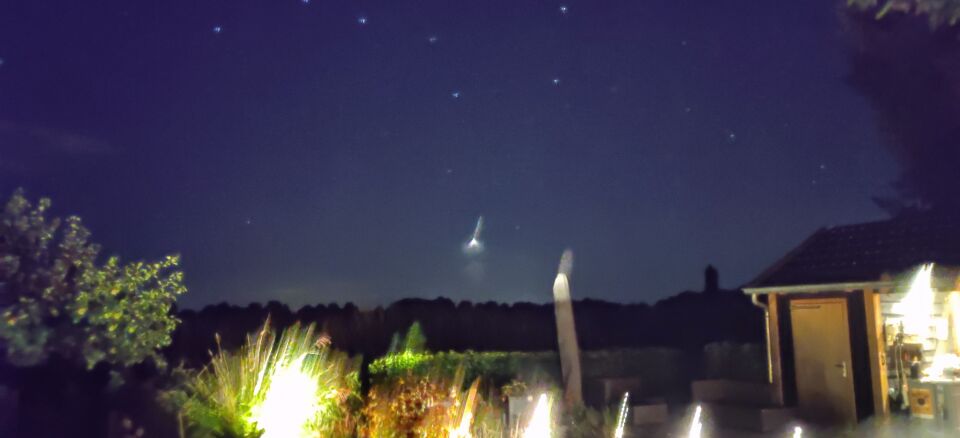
(315, 152)
(406, 300)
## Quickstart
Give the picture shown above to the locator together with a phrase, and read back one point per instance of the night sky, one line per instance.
(333, 150)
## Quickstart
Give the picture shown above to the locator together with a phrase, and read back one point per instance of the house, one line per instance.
(856, 310)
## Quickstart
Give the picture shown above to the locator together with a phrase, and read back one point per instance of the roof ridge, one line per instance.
(863, 251)
(786, 258)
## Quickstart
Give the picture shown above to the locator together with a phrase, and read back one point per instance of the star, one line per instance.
(432, 39)
(556, 81)
(731, 136)
(823, 166)
(362, 20)
(455, 94)
(1, 62)
(564, 9)
(306, 2)
(248, 221)
(217, 29)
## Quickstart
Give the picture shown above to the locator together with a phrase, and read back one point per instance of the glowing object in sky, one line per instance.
(539, 426)
(916, 308)
(797, 432)
(290, 402)
(474, 245)
(622, 416)
(695, 425)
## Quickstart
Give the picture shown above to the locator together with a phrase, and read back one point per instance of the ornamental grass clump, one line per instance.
(286, 387)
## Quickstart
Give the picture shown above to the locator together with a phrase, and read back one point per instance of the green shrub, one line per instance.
(495, 367)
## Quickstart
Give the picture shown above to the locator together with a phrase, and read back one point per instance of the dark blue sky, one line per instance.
(300, 155)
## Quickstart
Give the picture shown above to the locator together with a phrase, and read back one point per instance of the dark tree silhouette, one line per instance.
(910, 75)
(688, 320)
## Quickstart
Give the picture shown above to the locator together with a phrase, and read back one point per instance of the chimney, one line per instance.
(711, 279)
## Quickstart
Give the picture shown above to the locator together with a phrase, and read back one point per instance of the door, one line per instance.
(821, 348)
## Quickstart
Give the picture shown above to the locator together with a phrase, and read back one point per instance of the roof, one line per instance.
(862, 253)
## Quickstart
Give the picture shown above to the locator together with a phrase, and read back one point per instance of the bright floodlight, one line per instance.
(539, 426)
(290, 401)
(916, 308)
(797, 432)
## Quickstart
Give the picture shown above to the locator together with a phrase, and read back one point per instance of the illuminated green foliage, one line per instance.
(495, 367)
(939, 12)
(400, 363)
(415, 341)
(56, 299)
(409, 357)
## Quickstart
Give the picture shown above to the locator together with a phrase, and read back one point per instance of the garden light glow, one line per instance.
(916, 307)
(289, 403)
(539, 426)
(466, 414)
(695, 425)
(463, 430)
(622, 416)
(275, 387)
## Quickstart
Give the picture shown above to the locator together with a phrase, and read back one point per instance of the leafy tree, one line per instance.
(905, 61)
(56, 299)
(938, 12)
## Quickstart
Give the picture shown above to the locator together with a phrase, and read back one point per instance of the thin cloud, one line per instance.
(26, 148)
(46, 139)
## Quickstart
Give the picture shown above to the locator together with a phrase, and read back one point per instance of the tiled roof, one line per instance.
(863, 252)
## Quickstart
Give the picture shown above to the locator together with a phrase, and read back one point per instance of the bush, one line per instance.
(495, 367)
(272, 388)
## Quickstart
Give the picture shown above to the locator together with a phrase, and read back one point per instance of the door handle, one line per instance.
(843, 368)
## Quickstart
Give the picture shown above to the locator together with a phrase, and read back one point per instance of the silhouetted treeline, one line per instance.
(688, 320)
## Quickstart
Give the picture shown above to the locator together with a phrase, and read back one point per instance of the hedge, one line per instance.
(496, 367)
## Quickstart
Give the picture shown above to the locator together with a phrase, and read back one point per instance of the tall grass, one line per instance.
(431, 405)
(289, 386)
